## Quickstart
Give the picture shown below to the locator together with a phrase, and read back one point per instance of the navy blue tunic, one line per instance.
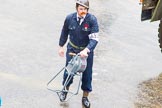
(79, 34)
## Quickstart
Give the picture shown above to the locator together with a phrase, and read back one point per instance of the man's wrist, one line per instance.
(87, 50)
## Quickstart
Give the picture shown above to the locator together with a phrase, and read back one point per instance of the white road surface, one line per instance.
(127, 54)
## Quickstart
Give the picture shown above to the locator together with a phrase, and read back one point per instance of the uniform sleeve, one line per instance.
(64, 32)
(93, 36)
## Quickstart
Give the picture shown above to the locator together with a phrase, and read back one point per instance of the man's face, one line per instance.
(82, 11)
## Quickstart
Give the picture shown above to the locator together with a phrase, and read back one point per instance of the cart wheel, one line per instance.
(160, 35)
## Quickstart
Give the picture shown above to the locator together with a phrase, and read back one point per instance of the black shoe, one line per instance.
(63, 96)
(85, 102)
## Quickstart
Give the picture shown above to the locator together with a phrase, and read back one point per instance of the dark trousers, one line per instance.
(87, 74)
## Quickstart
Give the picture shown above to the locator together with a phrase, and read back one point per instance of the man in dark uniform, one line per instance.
(82, 30)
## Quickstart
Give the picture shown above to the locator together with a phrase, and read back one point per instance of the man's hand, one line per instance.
(84, 53)
(61, 51)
